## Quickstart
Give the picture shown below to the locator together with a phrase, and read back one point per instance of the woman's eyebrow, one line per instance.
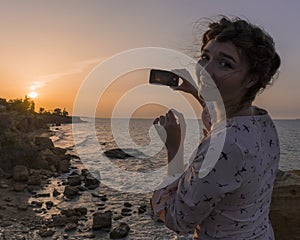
(228, 56)
(223, 54)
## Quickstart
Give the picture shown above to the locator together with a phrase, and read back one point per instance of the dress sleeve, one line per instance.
(189, 200)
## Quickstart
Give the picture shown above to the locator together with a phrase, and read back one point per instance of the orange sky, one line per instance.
(50, 47)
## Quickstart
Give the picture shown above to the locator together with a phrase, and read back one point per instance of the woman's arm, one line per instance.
(188, 201)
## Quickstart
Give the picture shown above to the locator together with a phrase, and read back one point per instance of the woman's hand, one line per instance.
(186, 85)
(206, 119)
(187, 80)
(175, 131)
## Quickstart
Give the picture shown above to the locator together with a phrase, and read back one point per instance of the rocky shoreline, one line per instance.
(48, 194)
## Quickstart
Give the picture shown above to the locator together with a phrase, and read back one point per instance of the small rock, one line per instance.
(142, 209)
(104, 198)
(90, 182)
(81, 211)
(117, 153)
(37, 204)
(49, 204)
(126, 214)
(41, 195)
(20, 173)
(126, 210)
(74, 180)
(118, 218)
(127, 204)
(60, 220)
(84, 172)
(120, 231)
(102, 220)
(55, 193)
(70, 192)
(39, 210)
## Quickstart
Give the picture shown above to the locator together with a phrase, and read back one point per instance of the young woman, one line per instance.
(233, 200)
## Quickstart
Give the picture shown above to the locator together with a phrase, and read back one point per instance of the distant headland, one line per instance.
(27, 106)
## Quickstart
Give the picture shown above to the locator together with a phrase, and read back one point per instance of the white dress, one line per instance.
(233, 200)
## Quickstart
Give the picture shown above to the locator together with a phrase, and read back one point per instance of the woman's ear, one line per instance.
(251, 81)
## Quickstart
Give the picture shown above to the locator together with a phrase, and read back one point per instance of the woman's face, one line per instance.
(228, 70)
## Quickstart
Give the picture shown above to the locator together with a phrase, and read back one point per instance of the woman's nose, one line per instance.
(205, 71)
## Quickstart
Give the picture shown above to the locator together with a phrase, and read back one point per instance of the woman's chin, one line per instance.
(210, 94)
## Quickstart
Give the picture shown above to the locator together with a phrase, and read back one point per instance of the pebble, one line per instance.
(49, 204)
(120, 231)
(127, 204)
(55, 193)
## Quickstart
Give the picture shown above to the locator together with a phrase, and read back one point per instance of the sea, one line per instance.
(131, 179)
(136, 133)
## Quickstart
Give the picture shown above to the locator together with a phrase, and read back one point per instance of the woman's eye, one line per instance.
(204, 57)
(225, 64)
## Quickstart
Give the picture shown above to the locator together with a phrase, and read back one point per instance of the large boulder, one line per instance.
(20, 173)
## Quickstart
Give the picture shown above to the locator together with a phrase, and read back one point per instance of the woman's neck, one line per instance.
(245, 109)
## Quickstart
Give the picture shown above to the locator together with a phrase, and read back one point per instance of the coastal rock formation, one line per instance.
(285, 207)
(24, 141)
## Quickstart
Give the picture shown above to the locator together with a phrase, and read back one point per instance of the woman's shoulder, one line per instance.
(260, 118)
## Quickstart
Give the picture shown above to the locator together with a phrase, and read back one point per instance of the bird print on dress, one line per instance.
(248, 163)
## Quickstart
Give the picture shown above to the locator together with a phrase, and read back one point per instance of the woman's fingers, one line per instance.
(162, 120)
(170, 117)
(156, 120)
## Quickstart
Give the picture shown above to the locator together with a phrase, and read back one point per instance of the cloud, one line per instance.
(75, 69)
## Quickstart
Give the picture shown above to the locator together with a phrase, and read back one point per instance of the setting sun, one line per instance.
(32, 95)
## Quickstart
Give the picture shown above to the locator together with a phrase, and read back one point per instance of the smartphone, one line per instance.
(163, 77)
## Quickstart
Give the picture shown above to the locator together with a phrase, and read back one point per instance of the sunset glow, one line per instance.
(32, 95)
(50, 66)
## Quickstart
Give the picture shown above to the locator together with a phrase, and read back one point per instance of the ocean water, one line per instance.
(139, 137)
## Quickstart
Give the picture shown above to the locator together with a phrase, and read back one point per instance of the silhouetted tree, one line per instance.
(42, 110)
(65, 113)
(57, 111)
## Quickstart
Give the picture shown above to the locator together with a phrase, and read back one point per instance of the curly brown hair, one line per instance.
(254, 43)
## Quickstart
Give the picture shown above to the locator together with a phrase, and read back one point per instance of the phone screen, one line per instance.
(163, 77)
